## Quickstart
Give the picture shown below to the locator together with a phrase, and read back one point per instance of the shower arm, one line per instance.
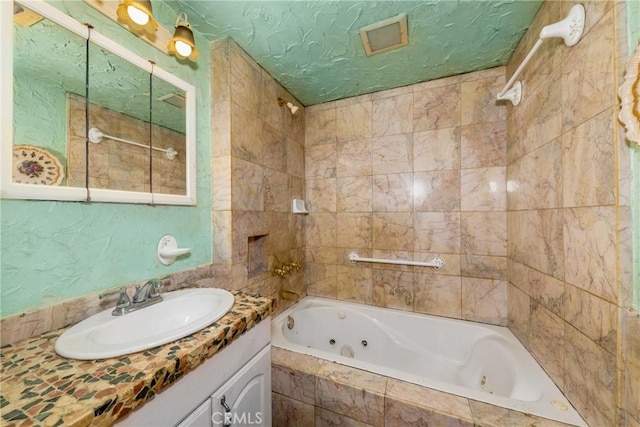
(570, 29)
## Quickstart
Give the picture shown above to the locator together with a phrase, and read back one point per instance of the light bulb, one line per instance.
(183, 48)
(137, 16)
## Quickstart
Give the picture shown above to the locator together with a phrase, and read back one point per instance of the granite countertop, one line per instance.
(38, 387)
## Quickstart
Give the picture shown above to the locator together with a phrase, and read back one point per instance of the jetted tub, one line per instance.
(474, 360)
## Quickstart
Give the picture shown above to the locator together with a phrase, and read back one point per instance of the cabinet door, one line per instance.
(245, 400)
(200, 417)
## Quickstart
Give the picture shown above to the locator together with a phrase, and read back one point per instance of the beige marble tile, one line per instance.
(484, 300)
(321, 229)
(591, 143)
(323, 255)
(361, 99)
(437, 232)
(352, 392)
(222, 237)
(430, 84)
(519, 319)
(408, 404)
(518, 275)
(534, 181)
(590, 379)
(478, 101)
(320, 127)
(354, 194)
(436, 191)
(547, 342)
(437, 294)
(541, 110)
(393, 115)
(392, 154)
(403, 90)
(321, 195)
(287, 412)
(274, 149)
(221, 183)
(247, 185)
(293, 374)
(483, 233)
(588, 74)
(354, 230)
(482, 74)
(496, 416)
(483, 189)
(484, 145)
(246, 80)
(536, 240)
(393, 289)
(325, 418)
(320, 161)
(276, 191)
(355, 283)
(436, 149)
(393, 231)
(548, 291)
(296, 159)
(484, 267)
(436, 108)
(321, 280)
(354, 122)
(590, 250)
(594, 317)
(393, 192)
(354, 158)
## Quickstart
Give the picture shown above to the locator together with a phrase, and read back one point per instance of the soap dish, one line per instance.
(297, 207)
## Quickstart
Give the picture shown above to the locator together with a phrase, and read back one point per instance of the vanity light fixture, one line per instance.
(182, 45)
(290, 106)
(138, 15)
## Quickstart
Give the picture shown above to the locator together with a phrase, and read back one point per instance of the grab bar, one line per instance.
(436, 262)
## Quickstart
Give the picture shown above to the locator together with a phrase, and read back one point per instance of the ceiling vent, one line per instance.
(385, 35)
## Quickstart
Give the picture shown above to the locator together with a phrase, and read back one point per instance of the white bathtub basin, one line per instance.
(474, 360)
(179, 314)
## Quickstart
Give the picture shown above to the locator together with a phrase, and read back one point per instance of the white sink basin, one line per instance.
(179, 314)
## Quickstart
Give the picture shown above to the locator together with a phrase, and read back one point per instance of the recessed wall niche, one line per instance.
(256, 255)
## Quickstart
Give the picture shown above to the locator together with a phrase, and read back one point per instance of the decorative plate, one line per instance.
(630, 96)
(35, 165)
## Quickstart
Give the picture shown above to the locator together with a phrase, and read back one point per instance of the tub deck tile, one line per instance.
(294, 374)
(351, 392)
(400, 414)
(326, 418)
(426, 399)
(290, 412)
(488, 415)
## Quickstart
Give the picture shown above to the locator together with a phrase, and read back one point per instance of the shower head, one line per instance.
(293, 108)
(570, 28)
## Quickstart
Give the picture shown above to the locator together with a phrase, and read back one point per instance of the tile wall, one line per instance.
(257, 168)
(568, 212)
(117, 166)
(411, 173)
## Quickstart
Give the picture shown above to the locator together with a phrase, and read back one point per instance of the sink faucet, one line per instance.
(147, 291)
(145, 296)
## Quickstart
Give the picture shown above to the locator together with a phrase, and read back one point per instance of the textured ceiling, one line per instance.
(313, 48)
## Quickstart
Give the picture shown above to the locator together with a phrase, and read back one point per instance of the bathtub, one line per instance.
(474, 360)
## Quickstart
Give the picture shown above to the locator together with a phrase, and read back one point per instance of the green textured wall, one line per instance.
(633, 28)
(51, 251)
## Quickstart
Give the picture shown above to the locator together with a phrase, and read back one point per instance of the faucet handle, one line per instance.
(123, 300)
(156, 285)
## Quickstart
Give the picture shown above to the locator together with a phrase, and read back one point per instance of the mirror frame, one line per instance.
(14, 190)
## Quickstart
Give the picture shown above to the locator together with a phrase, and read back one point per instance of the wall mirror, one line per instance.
(89, 119)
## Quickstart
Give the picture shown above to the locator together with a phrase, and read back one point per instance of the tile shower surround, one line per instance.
(411, 173)
(569, 259)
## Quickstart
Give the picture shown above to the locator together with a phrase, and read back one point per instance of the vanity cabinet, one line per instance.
(244, 400)
(241, 372)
